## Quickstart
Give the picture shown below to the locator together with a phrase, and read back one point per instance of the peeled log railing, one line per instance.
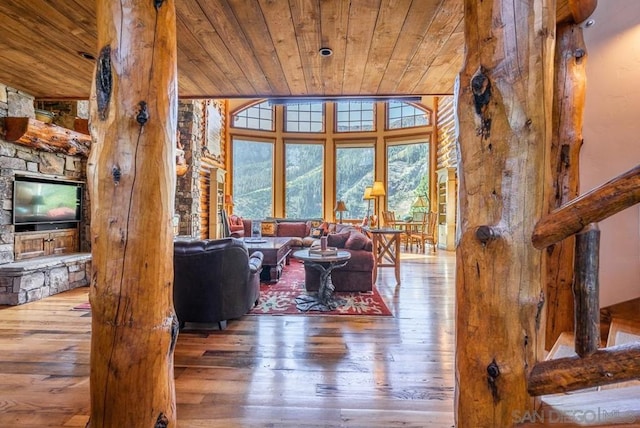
(612, 197)
(592, 366)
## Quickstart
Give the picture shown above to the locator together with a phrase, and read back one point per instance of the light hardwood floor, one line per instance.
(262, 371)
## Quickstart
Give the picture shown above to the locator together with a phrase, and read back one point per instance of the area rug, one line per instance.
(280, 298)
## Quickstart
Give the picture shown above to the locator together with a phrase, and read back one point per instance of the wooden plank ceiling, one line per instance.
(240, 48)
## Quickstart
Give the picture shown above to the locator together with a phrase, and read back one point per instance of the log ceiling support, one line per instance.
(131, 180)
(568, 112)
(504, 100)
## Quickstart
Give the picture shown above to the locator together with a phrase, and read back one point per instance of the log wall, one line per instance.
(447, 149)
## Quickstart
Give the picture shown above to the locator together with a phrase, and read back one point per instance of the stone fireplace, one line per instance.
(22, 281)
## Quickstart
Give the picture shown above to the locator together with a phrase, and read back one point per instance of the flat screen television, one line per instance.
(46, 201)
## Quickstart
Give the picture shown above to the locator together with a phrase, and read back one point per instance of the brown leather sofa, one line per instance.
(215, 280)
(300, 231)
(357, 274)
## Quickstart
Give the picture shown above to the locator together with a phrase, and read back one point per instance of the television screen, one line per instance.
(45, 201)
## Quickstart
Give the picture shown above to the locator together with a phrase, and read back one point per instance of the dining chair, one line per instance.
(425, 233)
(390, 221)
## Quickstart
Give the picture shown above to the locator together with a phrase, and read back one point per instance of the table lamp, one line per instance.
(367, 197)
(340, 208)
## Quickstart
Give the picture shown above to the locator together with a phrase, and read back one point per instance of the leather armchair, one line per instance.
(236, 226)
(215, 280)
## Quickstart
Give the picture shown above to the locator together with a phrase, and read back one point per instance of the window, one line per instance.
(404, 115)
(259, 116)
(355, 116)
(252, 178)
(354, 172)
(407, 178)
(304, 117)
(304, 174)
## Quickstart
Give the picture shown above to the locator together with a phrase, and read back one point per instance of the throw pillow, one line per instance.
(356, 241)
(268, 228)
(337, 239)
(317, 232)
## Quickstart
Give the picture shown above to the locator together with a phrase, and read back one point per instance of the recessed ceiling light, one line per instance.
(589, 23)
(325, 52)
(87, 55)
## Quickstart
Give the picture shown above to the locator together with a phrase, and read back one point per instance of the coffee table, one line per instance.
(323, 300)
(276, 254)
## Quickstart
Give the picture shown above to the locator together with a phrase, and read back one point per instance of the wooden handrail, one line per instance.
(603, 367)
(604, 201)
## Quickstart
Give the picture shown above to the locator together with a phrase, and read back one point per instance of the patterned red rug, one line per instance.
(280, 298)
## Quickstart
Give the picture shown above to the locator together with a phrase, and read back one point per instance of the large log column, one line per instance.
(504, 109)
(568, 107)
(131, 176)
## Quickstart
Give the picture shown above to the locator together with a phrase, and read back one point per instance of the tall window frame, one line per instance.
(331, 140)
(253, 160)
(352, 179)
(304, 202)
(408, 176)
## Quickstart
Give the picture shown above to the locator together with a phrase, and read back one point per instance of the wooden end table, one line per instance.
(386, 250)
(322, 300)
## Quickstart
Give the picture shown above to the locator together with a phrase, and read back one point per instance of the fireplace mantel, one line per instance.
(45, 136)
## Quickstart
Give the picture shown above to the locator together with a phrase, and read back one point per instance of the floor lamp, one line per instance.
(376, 191)
(367, 197)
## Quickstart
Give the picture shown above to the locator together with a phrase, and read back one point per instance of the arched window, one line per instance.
(404, 115)
(258, 116)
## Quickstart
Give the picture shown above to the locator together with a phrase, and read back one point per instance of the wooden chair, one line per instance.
(389, 218)
(425, 233)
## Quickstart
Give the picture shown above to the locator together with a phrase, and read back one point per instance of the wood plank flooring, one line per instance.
(262, 371)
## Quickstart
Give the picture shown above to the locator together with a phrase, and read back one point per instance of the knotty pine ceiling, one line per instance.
(257, 48)
(241, 48)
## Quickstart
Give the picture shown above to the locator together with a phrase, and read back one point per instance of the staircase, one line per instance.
(604, 406)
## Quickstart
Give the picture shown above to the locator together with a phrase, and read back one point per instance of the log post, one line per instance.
(586, 291)
(568, 111)
(131, 178)
(504, 99)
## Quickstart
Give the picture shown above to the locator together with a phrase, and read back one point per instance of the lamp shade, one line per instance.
(367, 193)
(378, 189)
(420, 202)
(340, 206)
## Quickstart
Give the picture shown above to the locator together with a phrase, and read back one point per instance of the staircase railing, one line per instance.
(591, 366)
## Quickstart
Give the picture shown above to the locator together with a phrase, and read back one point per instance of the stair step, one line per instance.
(608, 408)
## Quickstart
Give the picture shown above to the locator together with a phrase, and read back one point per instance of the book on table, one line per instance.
(329, 251)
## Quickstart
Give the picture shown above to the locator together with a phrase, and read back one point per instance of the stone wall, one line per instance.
(191, 137)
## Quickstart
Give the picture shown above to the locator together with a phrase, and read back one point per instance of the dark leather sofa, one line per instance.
(215, 280)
